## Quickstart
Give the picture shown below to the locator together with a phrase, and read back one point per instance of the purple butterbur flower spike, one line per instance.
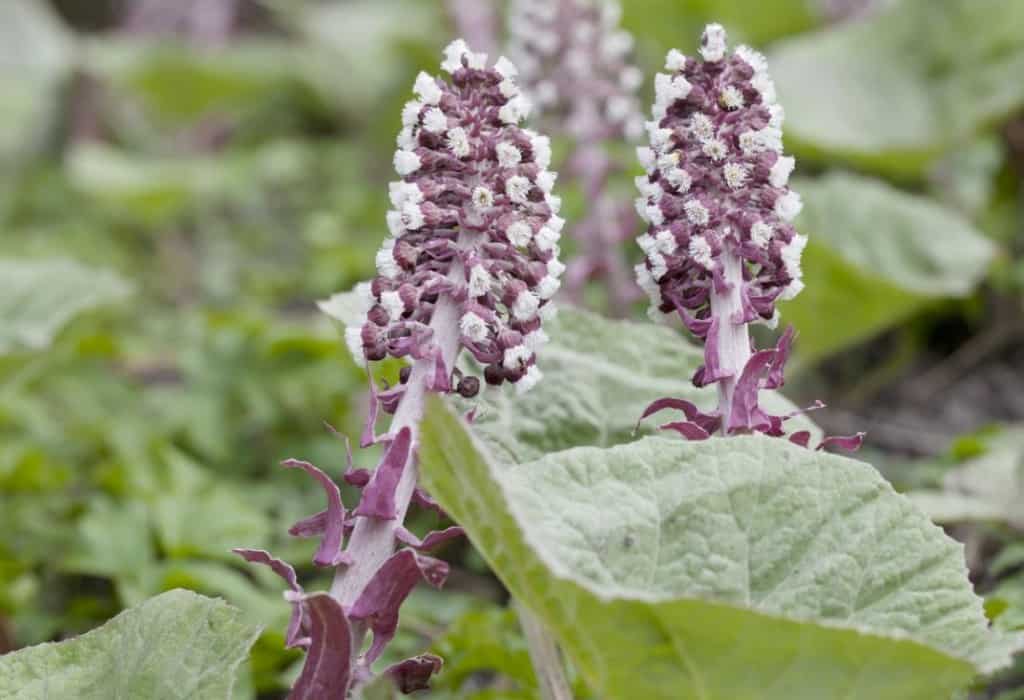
(471, 263)
(574, 58)
(720, 247)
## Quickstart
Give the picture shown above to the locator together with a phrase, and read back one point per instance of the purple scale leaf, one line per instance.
(414, 674)
(378, 500)
(285, 571)
(690, 431)
(849, 443)
(775, 377)
(431, 541)
(745, 414)
(327, 672)
(310, 527)
(379, 602)
(329, 553)
(801, 438)
(424, 500)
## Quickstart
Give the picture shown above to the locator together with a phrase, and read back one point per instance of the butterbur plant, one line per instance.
(575, 60)
(720, 247)
(471, 264)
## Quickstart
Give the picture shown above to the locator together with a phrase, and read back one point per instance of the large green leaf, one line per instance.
(730, 569)
(892, 92)
(876, 256)
(177, 645)
(37, 297)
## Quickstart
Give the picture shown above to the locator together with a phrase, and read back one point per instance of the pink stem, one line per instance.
(733, 344)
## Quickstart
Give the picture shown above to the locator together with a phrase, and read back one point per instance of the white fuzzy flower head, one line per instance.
(458, 142)
(788, 206)
(761, 234)
(519, 234)
(354, 341)
(392, 303)
(696, 213)
(483, 198)
(675, 61)
(480, 281)
(713, 43)
(700, 251)
(781, 170)
(508, 154)
(731, 97)
(735, 175)
(406, 162)
(518, 189)
(473, 327)
(426, 89)
(434, 121)
(529, 380)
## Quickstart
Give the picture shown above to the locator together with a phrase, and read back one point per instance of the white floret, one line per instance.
(458, 142)
(519, 234)
(406, 162)
(679, 178)
(735, 174)
(675, 60)
(529, 380)
(411, 113)
(482, 197)
(435, 121)
(516, 356)
(541, 147)
(392, 303)
(412, 216)
(518, 189)
(761, 234)
(525, 306)
(548, 287)
(713, 43)
(479, 281)
(453, 54)
(696, 213)
(354, 341)
(535, 340)
(473, 327)
(508, 154)
(387, 266)
(779, 174)
(791, 254)
(700, 252)
(666, 243)
(427, 89)
(546, 180)
(788, 206)
(547, 238)
(505, 68)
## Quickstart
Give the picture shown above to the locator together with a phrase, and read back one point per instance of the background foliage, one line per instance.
(174, 200)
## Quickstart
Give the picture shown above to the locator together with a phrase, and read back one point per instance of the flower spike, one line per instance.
(471, 263)
(720, 247)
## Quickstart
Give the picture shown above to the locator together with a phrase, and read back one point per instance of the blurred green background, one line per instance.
(181, 181)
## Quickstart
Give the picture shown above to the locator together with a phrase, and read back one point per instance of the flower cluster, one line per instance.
(472, 263)
(574, 59)
(720, 247)
(474, 220)
(576, 65)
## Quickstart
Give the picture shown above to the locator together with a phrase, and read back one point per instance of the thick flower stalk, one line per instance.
(720, 248)
(574, 57)
(471, 263)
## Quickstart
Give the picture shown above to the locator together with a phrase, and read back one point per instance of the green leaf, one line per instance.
(987, 488)
(37, 297)
(35, 56)
(893, 92)
(876, 255)
(177, 645)
(664, 566)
